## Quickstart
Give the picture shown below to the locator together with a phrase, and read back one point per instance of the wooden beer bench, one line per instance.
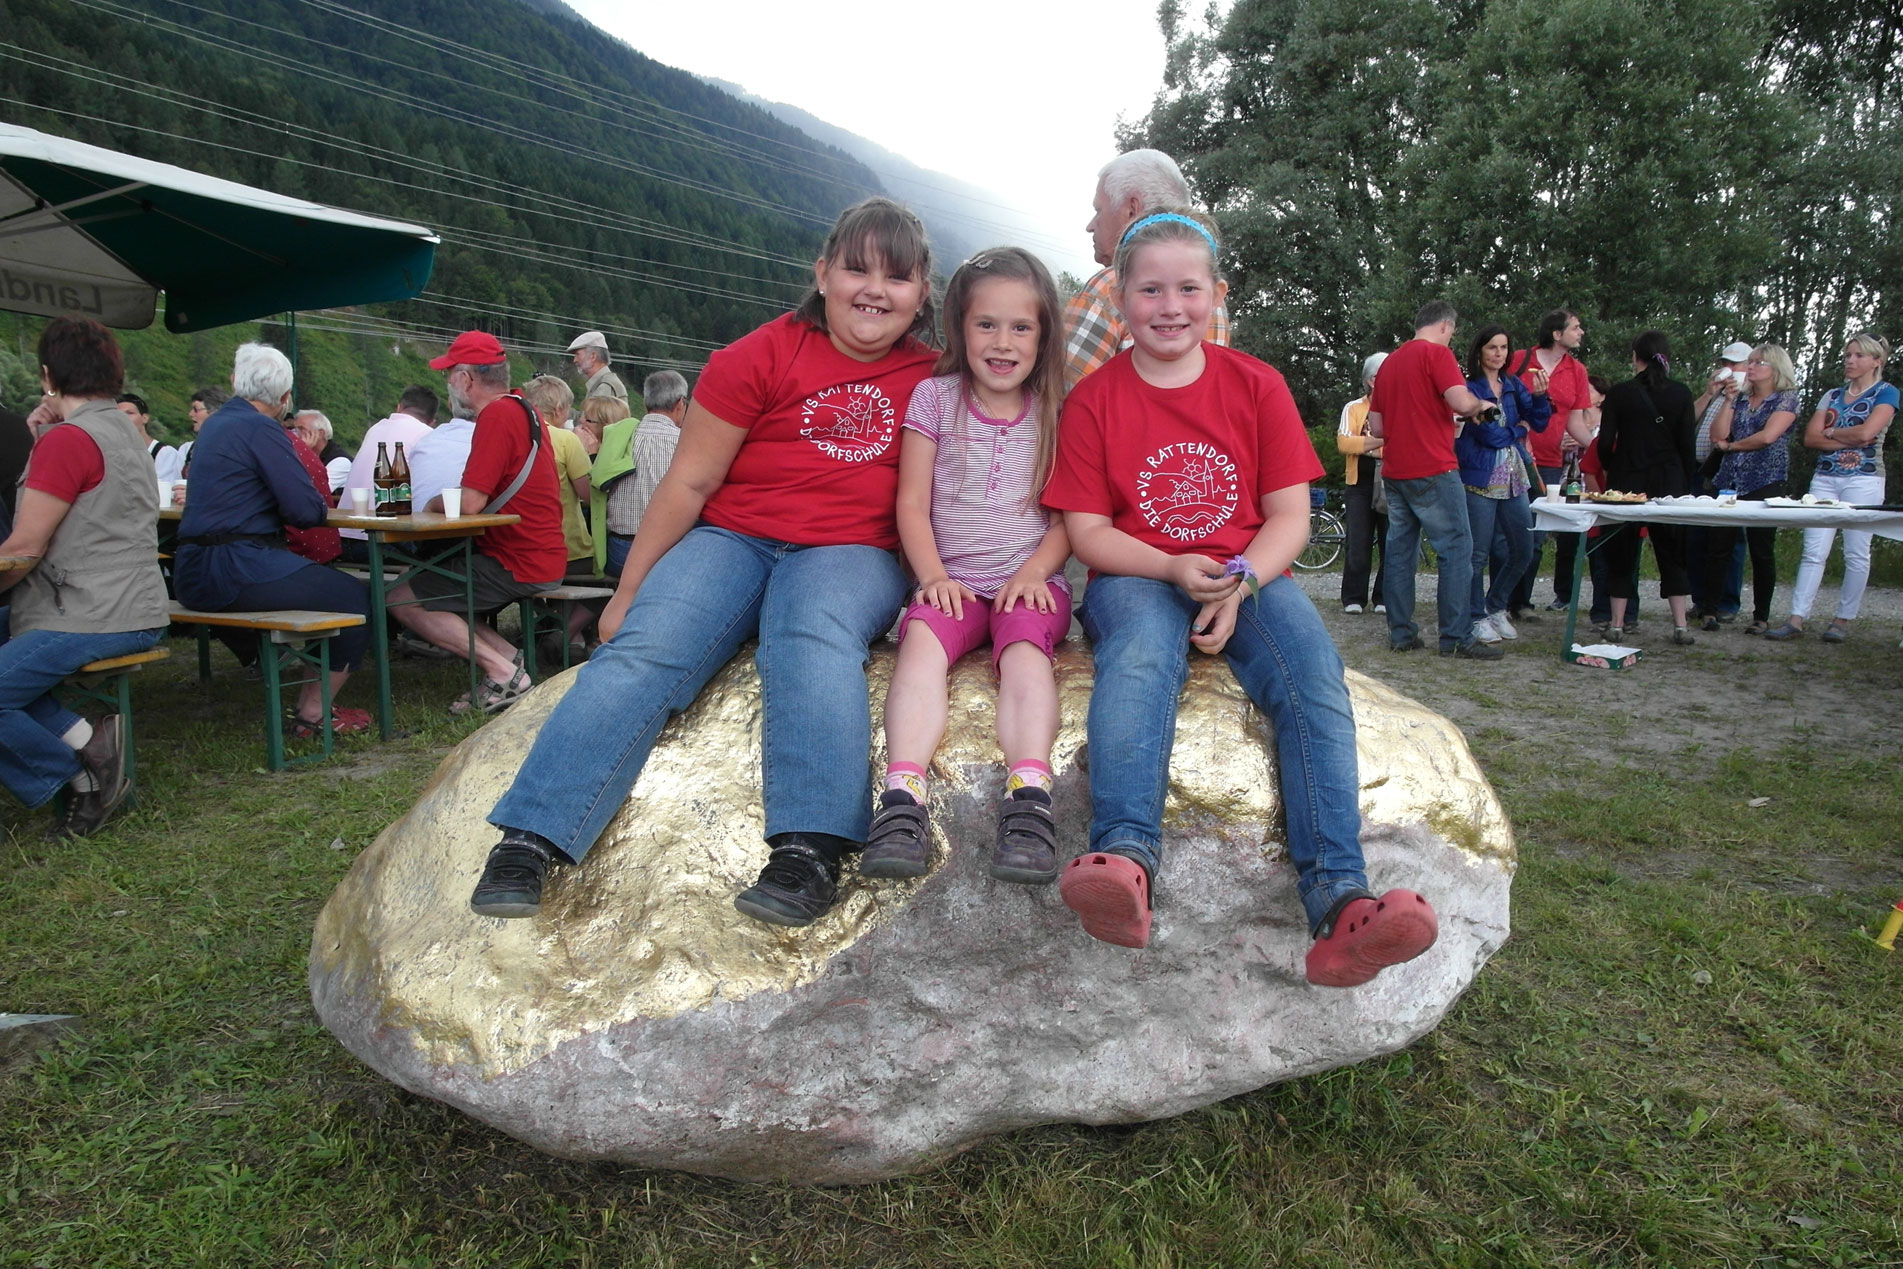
(291, 627)
(108, 683)
(553, 615)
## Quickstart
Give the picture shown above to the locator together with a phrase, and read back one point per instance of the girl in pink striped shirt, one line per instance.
(978, 443)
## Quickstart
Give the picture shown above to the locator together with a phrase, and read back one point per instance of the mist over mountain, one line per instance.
(963, 218)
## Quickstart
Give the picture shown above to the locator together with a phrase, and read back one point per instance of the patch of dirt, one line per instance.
(1730, 691)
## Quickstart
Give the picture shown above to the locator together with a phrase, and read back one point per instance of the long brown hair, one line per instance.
(1046, 380)
(877, 229)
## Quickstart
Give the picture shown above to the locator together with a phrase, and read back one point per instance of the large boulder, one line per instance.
(640, 1018)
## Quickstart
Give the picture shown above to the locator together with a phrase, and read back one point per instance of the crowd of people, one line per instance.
(257, 487)
(836, 469)
(1457, 454)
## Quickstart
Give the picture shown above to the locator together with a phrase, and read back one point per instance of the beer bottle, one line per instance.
(383, 481)
(400, 476)
(1571, 484)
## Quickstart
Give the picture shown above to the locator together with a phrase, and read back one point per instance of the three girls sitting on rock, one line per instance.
(1180, 477)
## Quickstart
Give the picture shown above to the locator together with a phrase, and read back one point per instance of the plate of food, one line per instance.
(1614, 495)
(1808, 500)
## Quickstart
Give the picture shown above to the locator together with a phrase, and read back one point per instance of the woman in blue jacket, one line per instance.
(1493, 466)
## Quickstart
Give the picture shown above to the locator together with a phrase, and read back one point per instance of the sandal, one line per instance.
(899, 844)
(1785, 631)
(343, 722)
(493, 697)
(1111, 893)
(1836, 633)
(1682, 635)
(1365, 935)
(1615, 633)
(1027, 839)
(1757, 627)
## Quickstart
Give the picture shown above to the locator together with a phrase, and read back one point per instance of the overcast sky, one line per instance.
(990, 98)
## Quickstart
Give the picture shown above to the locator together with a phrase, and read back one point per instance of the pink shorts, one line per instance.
(1023, 624)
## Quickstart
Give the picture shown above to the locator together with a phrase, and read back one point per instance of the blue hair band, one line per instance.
(1172, 218)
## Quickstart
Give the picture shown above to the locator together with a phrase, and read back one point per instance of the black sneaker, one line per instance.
(511, 884)
(1474, 651)
(1412, 644)
(798, 884)
(1027, 839)
(899, 844)
(104, 758)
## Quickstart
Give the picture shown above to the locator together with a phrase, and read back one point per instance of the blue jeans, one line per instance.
(1284, 660)
(1502, 528)
(34, 761)
(1436, 506)
(815, 611)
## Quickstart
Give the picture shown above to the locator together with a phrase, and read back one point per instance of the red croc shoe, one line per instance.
(1111, 893)
(1371, 934)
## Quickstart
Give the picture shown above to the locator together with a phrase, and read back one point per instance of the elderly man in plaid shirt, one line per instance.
(1127, 187)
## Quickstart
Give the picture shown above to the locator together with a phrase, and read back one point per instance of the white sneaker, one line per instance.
(1502, 626)
(1384, 608)
(1484, 631)
(1352, 608)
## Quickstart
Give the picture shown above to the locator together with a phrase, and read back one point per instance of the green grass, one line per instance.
(1685, 1056)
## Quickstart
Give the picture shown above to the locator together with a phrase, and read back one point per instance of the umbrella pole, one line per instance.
(290, 322)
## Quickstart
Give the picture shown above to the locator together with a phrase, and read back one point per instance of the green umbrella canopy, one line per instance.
(99, 233)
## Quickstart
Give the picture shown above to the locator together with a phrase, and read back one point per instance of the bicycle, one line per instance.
(1326, 534)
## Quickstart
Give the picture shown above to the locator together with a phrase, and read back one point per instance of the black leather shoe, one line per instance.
(511, 884)
(104, 758)
(798, 884)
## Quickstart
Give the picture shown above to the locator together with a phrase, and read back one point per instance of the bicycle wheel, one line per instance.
(1325, 536)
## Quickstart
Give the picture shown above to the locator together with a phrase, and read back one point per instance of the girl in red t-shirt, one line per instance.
(1175, 455)
(989, 560)
(775, 523)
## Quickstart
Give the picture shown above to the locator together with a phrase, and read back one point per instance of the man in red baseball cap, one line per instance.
(511, 470)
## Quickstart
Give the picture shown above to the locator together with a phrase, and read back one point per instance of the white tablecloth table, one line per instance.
(1577, 517)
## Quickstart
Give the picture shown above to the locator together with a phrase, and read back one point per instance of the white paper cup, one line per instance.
(359, 500)
(178, 493)
(453, 502)
(165, 493)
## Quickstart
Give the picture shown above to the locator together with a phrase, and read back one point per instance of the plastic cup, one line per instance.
(359, 500)
(453, 502)
(165, 493)
(178, 493)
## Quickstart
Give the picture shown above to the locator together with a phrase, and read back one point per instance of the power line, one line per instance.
(541, 257)
(629, 223)
(258, 54)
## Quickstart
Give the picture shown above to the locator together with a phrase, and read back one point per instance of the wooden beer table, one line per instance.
(393, 544)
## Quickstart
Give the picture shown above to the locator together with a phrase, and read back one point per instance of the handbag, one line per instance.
(1535, 483)
(1378, 497)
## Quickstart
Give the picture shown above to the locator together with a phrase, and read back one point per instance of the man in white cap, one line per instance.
(1721, 390)
(591, 358)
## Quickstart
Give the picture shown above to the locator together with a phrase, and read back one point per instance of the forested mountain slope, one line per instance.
(576, 184)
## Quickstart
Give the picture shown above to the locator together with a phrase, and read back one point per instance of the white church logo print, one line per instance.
(1187, 491)
(853, 422)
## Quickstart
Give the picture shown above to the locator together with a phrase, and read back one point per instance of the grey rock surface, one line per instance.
(640, 1019)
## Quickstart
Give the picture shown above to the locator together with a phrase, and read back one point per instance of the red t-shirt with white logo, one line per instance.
(820, 462)
(1183, 469)
(1417, 424)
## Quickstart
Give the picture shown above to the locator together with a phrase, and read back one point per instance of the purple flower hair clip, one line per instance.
(1239, 566)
